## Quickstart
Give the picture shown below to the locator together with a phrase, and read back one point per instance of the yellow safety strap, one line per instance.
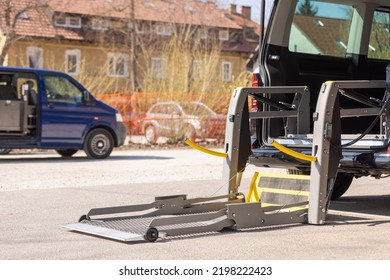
(204, 150)
(253, 188)
(293, 153)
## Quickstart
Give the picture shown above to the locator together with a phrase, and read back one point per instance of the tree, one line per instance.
(307, 8)
(10, 15)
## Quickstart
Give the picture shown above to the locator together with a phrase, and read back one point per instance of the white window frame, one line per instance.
(70, 24)
(112, 71)
(164, 29)
(223, 35)
(140, 27)
(57, 17)
(37, 54)
(100, 24)
(159, 68)
(197, 70)
(68, 21)
(226, 75)
(77, 54)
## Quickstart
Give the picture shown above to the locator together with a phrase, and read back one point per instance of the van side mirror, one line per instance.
(86, 98)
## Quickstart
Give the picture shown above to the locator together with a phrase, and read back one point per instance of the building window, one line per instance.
(100, 24)
(24, 16)
(34, 57)
(117, 65)
(226, 71)
(72, 60)
(203, 34)
(74, 22)
(223, 35)
(60, 21)
(159, 68)
(164, 29)
(67, 21)
(197, 70)
(140, 27)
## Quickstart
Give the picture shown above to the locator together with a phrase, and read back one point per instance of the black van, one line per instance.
(310, 47)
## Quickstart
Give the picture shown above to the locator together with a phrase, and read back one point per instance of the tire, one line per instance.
(151, 134)
(67, 152)
(98, 144)
(151, 235)
(84, 218)
(5, 151)
(341, 185)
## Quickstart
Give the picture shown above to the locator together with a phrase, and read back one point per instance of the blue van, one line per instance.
(51, 110)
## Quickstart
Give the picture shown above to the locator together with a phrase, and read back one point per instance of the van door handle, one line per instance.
(50, 105)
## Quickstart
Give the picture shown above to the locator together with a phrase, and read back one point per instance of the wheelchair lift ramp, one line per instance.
(177, 216)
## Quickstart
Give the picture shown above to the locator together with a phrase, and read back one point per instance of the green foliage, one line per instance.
(307, 8)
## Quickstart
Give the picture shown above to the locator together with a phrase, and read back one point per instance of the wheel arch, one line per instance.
(105, 127)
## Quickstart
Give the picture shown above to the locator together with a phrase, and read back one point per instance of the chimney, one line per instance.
(246, 12)
(233, 8)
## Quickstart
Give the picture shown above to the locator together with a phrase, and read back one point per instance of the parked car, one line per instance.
(50, 110)
(180, 121)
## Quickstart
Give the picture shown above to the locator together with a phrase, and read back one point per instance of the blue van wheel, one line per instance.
(98, 144)
(67, 152)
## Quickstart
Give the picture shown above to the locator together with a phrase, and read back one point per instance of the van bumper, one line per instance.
(121, 133)
(358, 162)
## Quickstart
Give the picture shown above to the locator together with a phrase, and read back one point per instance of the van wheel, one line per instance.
(98, 144)
(150, 134)
(67, 152)
(341, 185)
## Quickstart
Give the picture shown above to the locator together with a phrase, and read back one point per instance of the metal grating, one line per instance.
(141, 225)
(131, 225)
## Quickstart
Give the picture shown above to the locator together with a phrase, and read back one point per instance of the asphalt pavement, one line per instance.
(41, 192)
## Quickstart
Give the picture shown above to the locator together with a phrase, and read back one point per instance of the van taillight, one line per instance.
(255, 80)
(254, 105)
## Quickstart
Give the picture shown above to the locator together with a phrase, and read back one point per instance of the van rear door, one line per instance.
(65, 116)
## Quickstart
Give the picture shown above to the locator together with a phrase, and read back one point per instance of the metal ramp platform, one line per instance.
(176, 216)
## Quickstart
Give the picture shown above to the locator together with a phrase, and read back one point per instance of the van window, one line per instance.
(380, 36)
(320, 28)
(59, 89)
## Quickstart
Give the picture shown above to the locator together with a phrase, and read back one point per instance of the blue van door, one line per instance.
(64, 114)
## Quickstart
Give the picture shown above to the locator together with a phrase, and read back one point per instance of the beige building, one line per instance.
(92, 39)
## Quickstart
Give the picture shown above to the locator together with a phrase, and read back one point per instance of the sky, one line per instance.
(254, 4)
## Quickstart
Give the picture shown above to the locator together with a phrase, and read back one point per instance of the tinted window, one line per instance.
(320, 28)
(380, 36)
(197, 109)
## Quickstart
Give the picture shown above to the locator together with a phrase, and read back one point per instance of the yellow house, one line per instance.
(116, 45)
